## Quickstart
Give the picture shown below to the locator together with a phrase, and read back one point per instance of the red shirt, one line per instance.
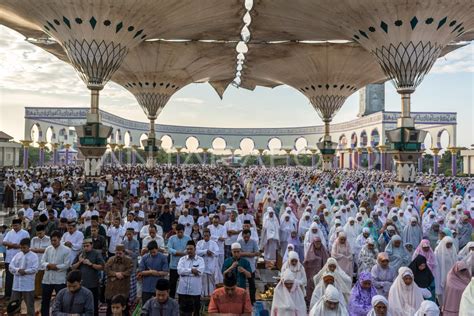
(238, 303)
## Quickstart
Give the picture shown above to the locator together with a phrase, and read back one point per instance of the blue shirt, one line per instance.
(158, 263)
(175, 244)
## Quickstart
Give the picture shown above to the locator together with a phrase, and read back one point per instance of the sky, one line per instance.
(30, 76)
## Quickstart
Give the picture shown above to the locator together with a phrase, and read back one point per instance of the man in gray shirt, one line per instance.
(162, 304)
(249, 252)
(74, 299)
(90, 262)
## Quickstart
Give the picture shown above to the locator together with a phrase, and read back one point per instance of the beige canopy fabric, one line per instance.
(97, 34)
(379, 22)
(326, 73)
(154, 71)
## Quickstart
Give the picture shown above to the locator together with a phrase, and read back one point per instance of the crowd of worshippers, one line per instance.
(164, 241)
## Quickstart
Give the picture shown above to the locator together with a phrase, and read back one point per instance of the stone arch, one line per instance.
(143, 136)
(218, 144)
(247, 145)
(111, 138)
(342, 144)
(36, 133)
(63, 135)
(428, 142)
(166, 142)
(443, 139)
(72, 136)
(354, 140)
(374, 137)
(363, 139)
(274, 145)
(51, 135)
(118, 136)
(127, 139)
(192, 144)
(301, 144)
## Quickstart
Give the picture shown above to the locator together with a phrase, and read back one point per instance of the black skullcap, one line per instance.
(16, 221)
(191, 243)
(230, 279)
(247, 221)
(40, 227)
(95, 217)
(43, 218)
(63, 220)
(162, 285)
(179, 227)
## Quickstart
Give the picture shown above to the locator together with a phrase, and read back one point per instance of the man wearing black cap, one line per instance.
(230, 299)
(39, 243)
(161, 304)
(74, 299)
(153, 266)
(12, 242)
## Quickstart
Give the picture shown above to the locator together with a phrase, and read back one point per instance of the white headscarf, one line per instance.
(351, 231)
(375, 300)
(428, 308)
(342, 281)
(401, 295)
(467, 299)
(445, 259)
(330, 294)
(298, 270)
(309, 237)
(288, 302)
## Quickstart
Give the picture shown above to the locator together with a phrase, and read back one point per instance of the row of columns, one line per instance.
(354, 155)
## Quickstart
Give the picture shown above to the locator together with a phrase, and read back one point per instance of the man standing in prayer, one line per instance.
(250, 252)
(12, 242)
(39, 243)
(153, 266)
(161, 304)
(233, 228)
(208, 250)
(177, 249)
(55, 262)
(74, 299)
(90, 262)
(219, 235)
(118, 269)
(73, 239)
(24, 266)
(190, 270)
(230, 299)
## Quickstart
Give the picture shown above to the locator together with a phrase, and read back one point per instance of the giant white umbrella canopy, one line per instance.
(154, 71)
(406, 37)
(326, 73)
(97, 34)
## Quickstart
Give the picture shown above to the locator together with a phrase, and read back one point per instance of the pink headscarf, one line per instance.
(429, 255)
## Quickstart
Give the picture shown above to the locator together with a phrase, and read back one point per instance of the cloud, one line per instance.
(458, 61)
(189, 100)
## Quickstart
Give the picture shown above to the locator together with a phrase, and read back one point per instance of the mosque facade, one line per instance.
(360, 138)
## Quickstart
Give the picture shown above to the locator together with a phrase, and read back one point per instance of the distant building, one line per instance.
(9, 151)
(468, 161)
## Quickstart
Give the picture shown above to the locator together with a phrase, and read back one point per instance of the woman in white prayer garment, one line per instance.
(294, 265)
(288, 298)
(446, 256)
(405, 297)
(330, 304)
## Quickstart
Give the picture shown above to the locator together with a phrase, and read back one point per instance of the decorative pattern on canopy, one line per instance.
(326, 73)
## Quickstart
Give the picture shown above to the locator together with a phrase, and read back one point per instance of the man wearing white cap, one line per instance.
(237, 265)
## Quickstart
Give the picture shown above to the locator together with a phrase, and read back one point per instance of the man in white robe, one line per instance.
(73, 239)
(209, 251)
(187, 221)
(218, 235)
